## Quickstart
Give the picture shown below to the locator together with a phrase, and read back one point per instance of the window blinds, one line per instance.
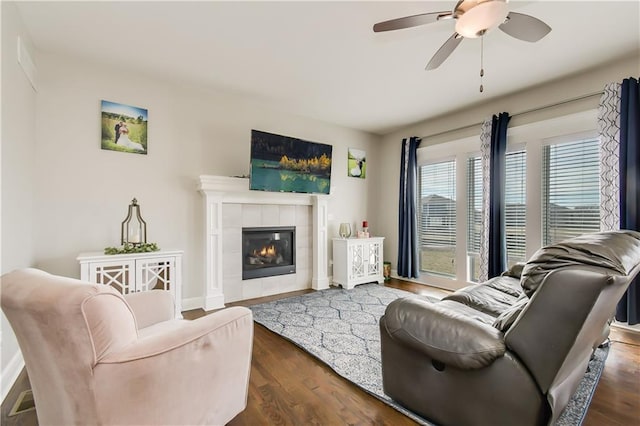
(438, 204)
(437, 227)
(571, 193)
(515, 205)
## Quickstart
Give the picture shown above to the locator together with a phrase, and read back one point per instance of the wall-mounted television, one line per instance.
(286, 164)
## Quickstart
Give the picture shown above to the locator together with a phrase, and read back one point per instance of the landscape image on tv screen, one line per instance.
(285, 164)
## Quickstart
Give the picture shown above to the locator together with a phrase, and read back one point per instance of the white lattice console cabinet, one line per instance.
(131, 273)
(357, 261)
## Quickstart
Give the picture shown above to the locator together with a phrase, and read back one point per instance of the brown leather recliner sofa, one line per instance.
(511, 350)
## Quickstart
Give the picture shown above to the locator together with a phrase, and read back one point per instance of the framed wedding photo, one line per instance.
(124, 128)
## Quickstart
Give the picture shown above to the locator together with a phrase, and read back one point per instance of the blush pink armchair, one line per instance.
(95, 357)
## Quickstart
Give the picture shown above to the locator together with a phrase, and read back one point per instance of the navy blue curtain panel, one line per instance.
(629, 307)
(497, 249)
(408, 261)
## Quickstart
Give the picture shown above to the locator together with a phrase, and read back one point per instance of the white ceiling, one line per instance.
(322, 59)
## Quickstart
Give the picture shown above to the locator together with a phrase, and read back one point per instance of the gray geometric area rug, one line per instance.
(340, 328)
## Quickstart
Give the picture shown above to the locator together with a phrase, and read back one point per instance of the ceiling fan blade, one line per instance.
(410, 21)
(525, 27)
(445, 50)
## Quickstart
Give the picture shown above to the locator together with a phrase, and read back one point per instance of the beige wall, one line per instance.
(82, 191)
(18, 174)
(388, 157)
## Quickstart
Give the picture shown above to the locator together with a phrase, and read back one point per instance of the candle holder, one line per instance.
(134, 228)
(364, 233)
(365, 229)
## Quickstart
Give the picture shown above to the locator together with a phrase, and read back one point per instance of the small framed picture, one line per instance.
(124, 128)
(357, 163)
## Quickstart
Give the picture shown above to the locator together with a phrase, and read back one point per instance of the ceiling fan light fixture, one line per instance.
(481, 18)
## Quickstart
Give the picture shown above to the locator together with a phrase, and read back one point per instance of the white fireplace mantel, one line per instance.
(218, 190)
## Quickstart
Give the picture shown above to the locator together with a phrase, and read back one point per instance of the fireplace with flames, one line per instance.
(268, 251)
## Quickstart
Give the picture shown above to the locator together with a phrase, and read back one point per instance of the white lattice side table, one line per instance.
(357, 261)
(130, 273)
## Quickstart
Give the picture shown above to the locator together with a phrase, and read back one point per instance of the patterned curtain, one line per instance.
(485, 149)
(408, 260)
(609, 129)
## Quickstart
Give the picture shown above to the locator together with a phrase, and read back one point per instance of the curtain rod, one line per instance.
(528, 111)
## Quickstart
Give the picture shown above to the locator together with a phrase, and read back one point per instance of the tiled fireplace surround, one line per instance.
(230, 206)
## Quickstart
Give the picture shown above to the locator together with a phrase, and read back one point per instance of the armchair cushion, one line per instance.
(151, 307)
(443, 334)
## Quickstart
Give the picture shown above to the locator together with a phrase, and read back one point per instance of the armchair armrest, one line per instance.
(151, 307)
(197, 373)
(443, 334)
(186, 333)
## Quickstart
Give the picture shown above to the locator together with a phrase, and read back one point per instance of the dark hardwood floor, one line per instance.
(290, 387)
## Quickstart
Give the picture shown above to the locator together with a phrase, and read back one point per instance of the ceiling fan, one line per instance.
(474, 18)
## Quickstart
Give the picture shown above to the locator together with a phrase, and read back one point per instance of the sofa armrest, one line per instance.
(563, 320)
(443, 334)
(151, 307)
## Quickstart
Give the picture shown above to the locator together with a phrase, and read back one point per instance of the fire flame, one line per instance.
(267, 251)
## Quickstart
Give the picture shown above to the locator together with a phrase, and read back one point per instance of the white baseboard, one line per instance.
(11, 373)
(626, 326)
(192, 303)
(445, 284)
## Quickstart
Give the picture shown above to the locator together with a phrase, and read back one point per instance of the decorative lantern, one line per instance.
(134, 228)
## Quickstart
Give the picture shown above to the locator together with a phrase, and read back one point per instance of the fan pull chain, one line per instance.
(481, 63)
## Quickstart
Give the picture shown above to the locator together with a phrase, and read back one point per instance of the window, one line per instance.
(571, 193)
(551, 193)
(437, 227)
(515, 210)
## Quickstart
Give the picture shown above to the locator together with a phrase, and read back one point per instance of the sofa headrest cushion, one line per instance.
(514, 271)
(618, 251)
